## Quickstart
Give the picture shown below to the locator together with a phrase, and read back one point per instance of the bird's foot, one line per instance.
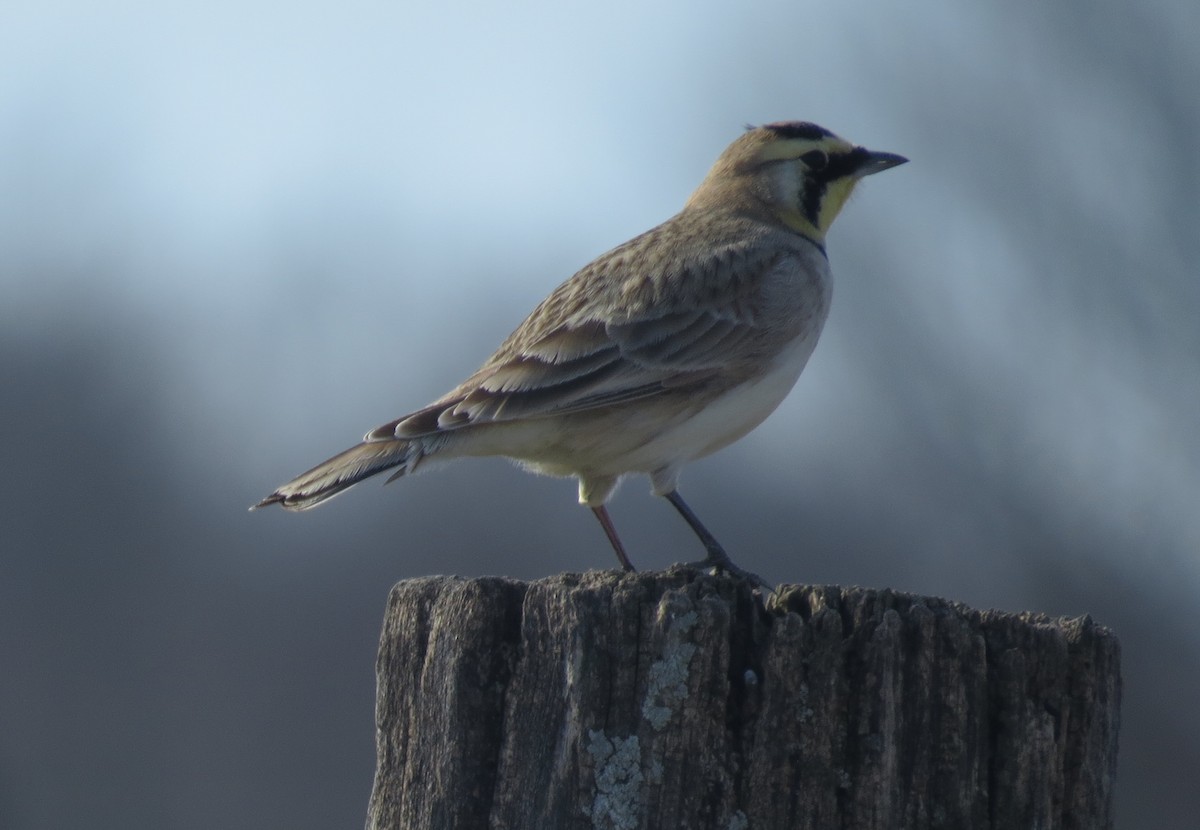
(718, 560)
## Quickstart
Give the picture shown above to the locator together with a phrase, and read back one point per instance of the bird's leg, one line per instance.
(611, 532)
(717, 557)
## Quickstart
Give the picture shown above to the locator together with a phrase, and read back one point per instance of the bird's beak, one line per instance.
(878, 162)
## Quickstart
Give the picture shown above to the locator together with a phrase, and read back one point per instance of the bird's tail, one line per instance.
(343, 471)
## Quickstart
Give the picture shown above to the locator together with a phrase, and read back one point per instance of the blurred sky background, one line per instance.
(235, 236)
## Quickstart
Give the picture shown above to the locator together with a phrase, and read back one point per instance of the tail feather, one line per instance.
(342, 472)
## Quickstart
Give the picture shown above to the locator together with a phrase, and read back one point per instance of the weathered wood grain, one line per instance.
(676, 700)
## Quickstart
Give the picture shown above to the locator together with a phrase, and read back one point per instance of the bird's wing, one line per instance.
(606, 337)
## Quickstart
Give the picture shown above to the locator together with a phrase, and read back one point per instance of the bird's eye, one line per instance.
(815, 159)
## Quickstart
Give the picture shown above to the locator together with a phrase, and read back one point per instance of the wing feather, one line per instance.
(614, 333)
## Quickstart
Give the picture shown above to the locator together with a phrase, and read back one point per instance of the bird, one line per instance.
(664, 350)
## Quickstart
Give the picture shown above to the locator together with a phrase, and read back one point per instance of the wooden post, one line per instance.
(676, 700)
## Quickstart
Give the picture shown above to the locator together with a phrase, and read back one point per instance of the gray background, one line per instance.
(234, 237)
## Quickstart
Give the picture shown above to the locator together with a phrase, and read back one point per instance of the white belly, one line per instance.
(722, 422)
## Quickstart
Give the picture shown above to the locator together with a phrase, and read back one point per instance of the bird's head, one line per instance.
(800, 173)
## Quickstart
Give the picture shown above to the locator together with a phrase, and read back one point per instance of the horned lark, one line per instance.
(663, 350)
